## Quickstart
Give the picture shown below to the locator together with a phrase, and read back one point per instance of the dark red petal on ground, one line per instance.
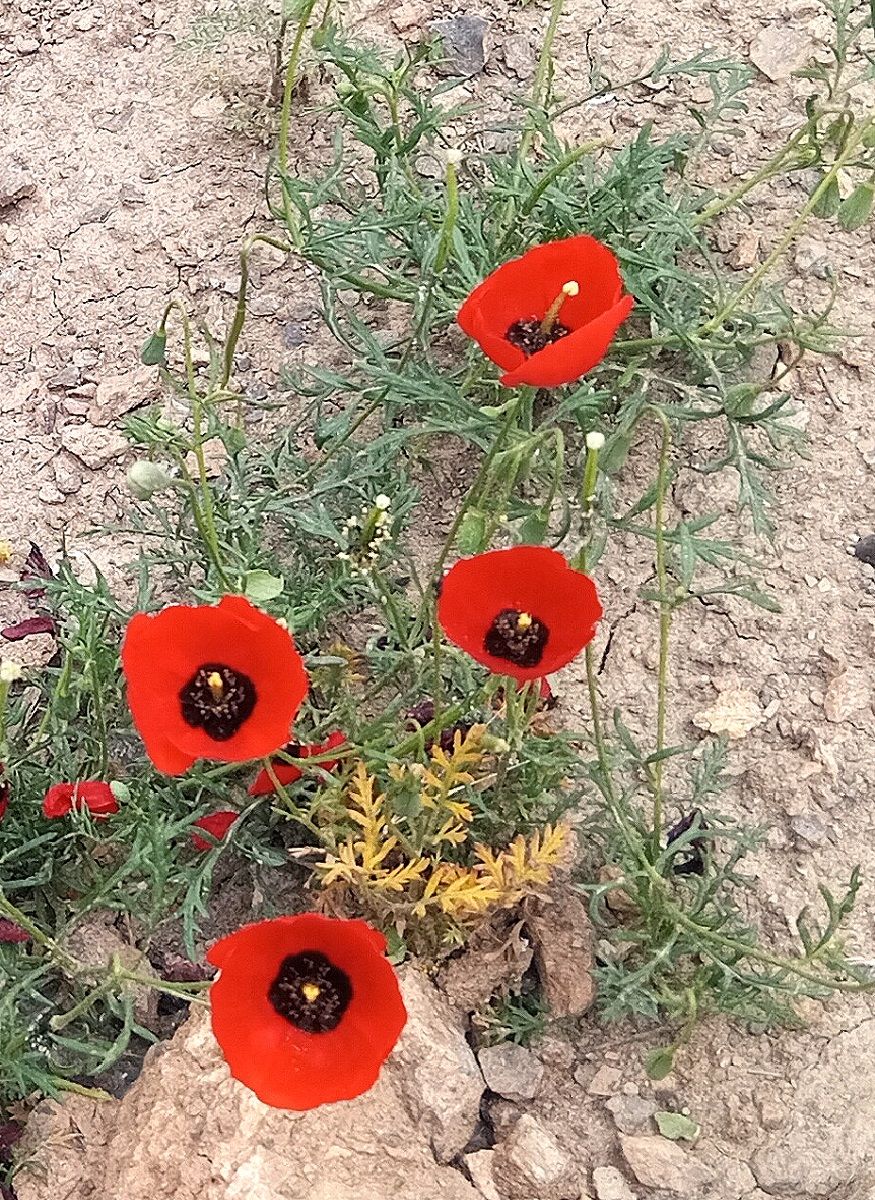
(10, 932)
(28, 628)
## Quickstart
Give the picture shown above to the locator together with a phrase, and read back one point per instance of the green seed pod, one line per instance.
(152, 353)
(857, 209)
(146, 478)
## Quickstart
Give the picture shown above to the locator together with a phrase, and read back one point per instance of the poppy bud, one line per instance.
(146, 478)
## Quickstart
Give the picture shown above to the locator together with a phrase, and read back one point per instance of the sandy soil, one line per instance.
(132, 183)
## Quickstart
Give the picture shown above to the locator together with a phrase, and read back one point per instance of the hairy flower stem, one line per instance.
(450, 217)
(542, 76)
(291, 79)
(514, 407)
(665, 613)
(767, 171)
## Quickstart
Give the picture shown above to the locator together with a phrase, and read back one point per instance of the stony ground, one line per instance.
(124, 176)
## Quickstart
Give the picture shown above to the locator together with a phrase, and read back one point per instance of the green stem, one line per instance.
(291, 79)
(770, 168)
(450, 218)
(497, 446)
(542, 75)
(665, 613)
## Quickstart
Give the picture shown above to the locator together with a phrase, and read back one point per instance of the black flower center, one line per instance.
(529, 337)
(218, 700)
(311, 992)
(517, 636)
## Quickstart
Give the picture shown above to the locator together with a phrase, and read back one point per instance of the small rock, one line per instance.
(772, 1114)
(49, 494)
(435, 1070)
(531, 1165)
(119, 394)
(479, 1165)
(658, 1163)
(865, 549)
(463, 44)
(16, 183)
(502, 1114)
(617, 899)
(847, 694)
(810, 830)
(745, 251)
(511, 1070)
(85, 22)
(215, 458)
(778, 51)
(68, 377)
(405, 16)
(95, 942)
(563, 941)
(518, 55)
(604, 1082)
(94, 447)
(735, 712)
(632, 1114)
(610, 1184)
(812, 256)
(25, 45)
(69, 480)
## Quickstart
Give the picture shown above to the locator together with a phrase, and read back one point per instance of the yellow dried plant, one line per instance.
(418, 857)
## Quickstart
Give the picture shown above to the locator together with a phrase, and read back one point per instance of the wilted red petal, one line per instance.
(10, 932)
(288, 773)
(93, 794)
(4, 799)
(217, 823)
(28, 628)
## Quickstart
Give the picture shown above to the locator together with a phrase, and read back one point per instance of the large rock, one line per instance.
(828, 1141)
(658, 1163)
(187, 1131)
(435, 1071)
(531, 1165)
(563, 938)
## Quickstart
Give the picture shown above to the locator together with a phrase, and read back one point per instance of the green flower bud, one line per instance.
(146, 478)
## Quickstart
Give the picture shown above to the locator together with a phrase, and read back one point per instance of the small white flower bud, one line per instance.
(9, 671)
(146, 478)
(595, 441)
(382, 502)
(454, 156)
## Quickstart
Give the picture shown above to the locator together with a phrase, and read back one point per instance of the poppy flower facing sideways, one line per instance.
(211, 681)
(522, 612)
(288, 773)
(548, 317)
(305, 1009)
(62, 798)
(216, 823)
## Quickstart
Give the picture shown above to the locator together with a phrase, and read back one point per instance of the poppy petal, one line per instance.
(572, 356)
(217, 824)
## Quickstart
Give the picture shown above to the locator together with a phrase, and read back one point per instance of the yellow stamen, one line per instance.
(524, 621)
(311, 991)
(217, 685)
(572, 288)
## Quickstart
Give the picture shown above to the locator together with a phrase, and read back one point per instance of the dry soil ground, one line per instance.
(122, 178)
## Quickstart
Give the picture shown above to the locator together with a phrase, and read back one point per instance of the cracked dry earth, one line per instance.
(121, 179)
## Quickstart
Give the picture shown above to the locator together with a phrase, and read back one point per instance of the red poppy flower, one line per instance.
(217, 823)
(288, 773)
(305, 1009)
(4, 799)
(62, 798)
(522, 612)
(548, 317)
(207, 681)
